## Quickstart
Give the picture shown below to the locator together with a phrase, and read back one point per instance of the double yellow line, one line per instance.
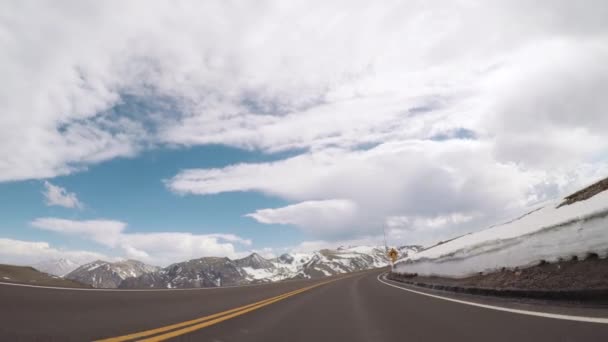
(186, 327)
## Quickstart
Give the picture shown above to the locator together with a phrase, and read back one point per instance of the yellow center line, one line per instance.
(228, 313)
(186, 323)
(195, 327)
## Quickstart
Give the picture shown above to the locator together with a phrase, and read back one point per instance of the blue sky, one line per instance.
(210, 128)
(132, 190)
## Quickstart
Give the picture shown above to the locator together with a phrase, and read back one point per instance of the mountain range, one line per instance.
(103, 274)
(217, 271)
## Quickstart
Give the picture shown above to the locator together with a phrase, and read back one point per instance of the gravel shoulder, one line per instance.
(585, 278)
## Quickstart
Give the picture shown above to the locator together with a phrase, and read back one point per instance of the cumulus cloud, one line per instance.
(315, 215)
(266, 252)
(316, 245)
(422, 110)
(106, 232)
(447, 188)
(270, 88)
(160, 248)
(504, 129)
(418, 223)
(418, 178)
(560, 118)
(20, 252)
(56, 195)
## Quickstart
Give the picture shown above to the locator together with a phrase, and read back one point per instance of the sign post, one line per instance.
(393, 254)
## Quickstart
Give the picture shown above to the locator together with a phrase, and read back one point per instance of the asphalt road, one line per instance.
(358, 307)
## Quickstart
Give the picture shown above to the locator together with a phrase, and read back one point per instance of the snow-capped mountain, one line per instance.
(203, 272)
(258, 269)
(254, 261)
(325, 262)
(58, 267)
(328, 262)
(213, 271)
(103, 274)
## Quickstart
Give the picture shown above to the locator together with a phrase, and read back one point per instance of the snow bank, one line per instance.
(545, 234)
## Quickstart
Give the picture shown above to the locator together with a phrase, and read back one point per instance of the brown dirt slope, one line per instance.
(586, 193)
(30, 276)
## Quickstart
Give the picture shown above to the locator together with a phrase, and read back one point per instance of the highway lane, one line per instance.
(356, 308)
(43, 314)
(363, 309)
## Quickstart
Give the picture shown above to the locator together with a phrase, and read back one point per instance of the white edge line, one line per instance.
(500, 308)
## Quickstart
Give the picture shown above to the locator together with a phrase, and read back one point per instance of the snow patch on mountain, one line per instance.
(259, 274)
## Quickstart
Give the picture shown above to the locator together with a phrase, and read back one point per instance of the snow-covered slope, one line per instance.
(546, 234)
(58, 267)
(103, 274)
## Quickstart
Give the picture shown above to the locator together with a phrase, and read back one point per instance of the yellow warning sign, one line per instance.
(393, 254)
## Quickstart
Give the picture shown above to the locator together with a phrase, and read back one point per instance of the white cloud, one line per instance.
(160, 248)
(107, 232)
(56, 195)
(20, 252)
(560, 118)
(447, 188)
(266, 252)
(324, 216)
(421, 223)
(282, 81)
(316, 245)
(388, 180)
(402, 73)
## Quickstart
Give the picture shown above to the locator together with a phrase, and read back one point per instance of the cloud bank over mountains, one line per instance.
(429, 118)
(155, 248)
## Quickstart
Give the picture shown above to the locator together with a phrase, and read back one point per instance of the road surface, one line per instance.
(358, 307)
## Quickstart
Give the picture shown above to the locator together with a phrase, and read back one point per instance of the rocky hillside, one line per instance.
(103, 274)
(203, 272)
